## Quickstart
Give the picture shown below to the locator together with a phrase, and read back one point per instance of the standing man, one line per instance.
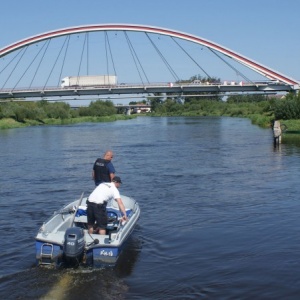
(97, 201)
(103, 169)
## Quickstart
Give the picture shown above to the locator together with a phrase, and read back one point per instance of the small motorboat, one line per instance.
(64, 238)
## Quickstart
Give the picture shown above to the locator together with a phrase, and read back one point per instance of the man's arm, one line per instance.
(111, 170)
(122, 208)
(111, 175)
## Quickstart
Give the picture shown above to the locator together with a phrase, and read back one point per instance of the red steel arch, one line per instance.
(265, 71)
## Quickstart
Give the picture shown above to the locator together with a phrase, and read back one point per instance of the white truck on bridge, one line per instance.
(88, 81)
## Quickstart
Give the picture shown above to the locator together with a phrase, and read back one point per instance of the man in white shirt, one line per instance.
(97, 201)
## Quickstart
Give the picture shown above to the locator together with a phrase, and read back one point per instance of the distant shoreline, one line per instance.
(10, 123)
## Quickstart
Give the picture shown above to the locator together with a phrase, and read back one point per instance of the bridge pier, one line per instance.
(128, 111)
(277, 133)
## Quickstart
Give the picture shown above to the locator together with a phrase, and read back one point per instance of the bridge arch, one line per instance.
(259, 68)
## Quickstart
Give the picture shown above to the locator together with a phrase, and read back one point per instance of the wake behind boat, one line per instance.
(64, 238)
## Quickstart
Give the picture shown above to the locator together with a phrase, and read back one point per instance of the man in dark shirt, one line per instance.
(103, 169)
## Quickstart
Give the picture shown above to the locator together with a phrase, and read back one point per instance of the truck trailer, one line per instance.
(93, 80)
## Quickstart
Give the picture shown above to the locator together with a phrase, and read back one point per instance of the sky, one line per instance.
(266, 31)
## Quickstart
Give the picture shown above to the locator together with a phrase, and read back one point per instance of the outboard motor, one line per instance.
(74, 245)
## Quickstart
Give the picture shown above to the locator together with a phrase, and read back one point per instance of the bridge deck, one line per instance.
(142, 89)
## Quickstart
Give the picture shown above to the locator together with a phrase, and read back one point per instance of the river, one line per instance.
(220, 209)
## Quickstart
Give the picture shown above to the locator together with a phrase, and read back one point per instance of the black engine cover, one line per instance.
(74, 242)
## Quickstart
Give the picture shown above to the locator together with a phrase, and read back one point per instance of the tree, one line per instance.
(101, 108)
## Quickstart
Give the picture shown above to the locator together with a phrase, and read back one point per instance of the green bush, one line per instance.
(101, 108)
(288, 108)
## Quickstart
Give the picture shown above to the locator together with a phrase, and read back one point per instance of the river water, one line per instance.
(220, 209)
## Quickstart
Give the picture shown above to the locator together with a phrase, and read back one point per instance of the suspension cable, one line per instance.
(111, 56)
(135, 57)
(228, 64)
(47, 43)
(18, 53)
(54, 63)
(87, 54)
(106, 56)
(163, 59)
(34, 60)
(191, 57)
(8, 77)
(64, 59)
(82, 52)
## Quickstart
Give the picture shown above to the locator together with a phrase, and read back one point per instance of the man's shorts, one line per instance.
(96, 213)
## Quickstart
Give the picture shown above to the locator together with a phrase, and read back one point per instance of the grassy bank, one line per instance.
(291, 131)
(291, 125)
(8, 123)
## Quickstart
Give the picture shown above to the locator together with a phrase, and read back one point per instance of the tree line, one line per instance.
(41, 110)
(285, 108)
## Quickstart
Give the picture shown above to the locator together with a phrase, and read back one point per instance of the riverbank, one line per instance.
(9, 123)
(291, 126)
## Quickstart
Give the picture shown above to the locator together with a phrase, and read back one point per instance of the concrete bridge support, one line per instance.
(277, 133)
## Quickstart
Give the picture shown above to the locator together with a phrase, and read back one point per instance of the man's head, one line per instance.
(108, 155)
(117, 180)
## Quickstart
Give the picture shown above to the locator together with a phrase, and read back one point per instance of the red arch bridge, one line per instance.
(111, 60)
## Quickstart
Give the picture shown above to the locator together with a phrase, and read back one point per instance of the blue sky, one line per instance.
(266, 31)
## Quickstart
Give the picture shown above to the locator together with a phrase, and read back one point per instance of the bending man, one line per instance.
(97, 201)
